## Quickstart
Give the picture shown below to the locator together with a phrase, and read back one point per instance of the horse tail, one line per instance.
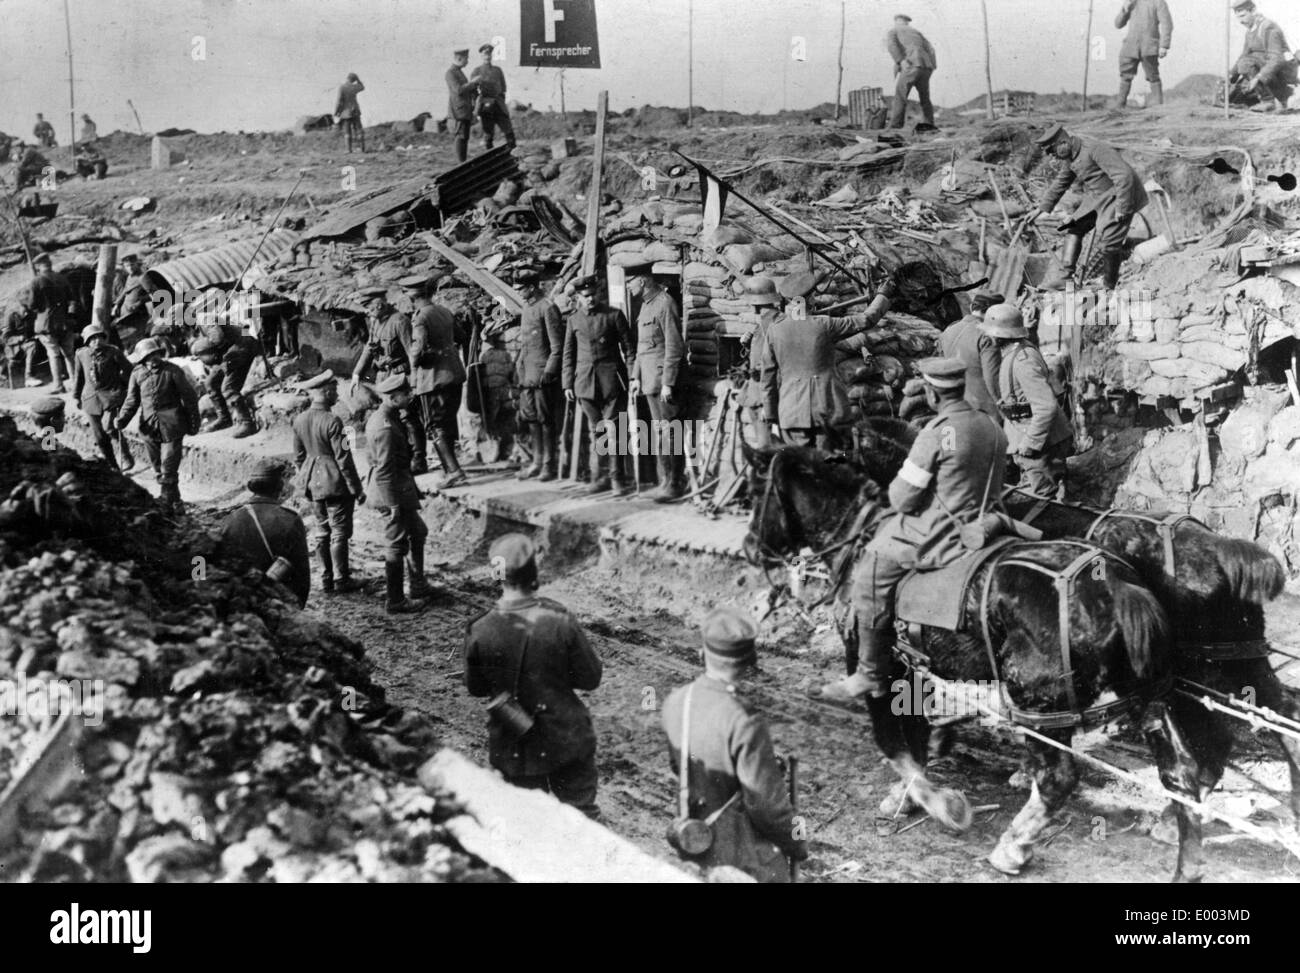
(1142, 621)
(1253, 574)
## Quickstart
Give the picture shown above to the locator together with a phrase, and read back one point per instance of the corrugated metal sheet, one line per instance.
(462, 187)
(222, 265)
(357, 212)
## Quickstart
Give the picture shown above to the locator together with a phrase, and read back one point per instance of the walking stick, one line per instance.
(793, 762)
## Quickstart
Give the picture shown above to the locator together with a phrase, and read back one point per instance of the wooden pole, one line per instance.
(104, 285)
(1227, 55)
(593, 191)
(563, 112)
(839, 81)
(138, 123)
(1087, 57)
(72, 98)
(988, 70)
(690, 62)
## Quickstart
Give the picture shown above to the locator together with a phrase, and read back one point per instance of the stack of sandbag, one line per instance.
(634, 251)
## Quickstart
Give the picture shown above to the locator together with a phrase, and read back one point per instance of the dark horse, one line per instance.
(1212, 587)
(1117, 638)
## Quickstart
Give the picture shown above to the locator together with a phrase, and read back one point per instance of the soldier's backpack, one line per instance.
(106, 370)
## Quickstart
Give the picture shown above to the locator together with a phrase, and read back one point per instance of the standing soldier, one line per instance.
(348, 112)
(460, 102)
(131, 299)
(44, 132)
(766, 301)
(169, 411)
(537, 374)
(49, 296)
(1147, 42)
(596, 348)
(529, 654)
(328, 478)
(1265, 58)
(977, 351)
(492, 112)
(263, 531)
(914, 62)
(89, 130)
(391, 491)
(389, 350)
(1038, 432)
(803, 391)
(229, 356)
(732, 775)
(660, 358)
(1114, 196)
(99, 381)
(437, 379)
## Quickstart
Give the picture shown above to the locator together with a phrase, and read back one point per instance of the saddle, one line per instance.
(936, 598)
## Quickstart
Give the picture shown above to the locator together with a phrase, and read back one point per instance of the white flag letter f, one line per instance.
(552, 17)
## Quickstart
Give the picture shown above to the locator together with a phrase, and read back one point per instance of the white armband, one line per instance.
(914, 475)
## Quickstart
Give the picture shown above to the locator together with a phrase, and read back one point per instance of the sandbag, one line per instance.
(697, 270)
(724, 235)
(688, 223)
(742, 257)
(1144, 351)
(658, 250)
(1212, 353)
(1198, 373)
(634, 245)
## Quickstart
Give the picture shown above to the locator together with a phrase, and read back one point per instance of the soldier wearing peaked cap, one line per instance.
(438, 380)
(169, 411)
(262, 531)
(527, 656)
(537, 372)
(460, 102)
(914, 62)
(952, 475)
(388, 348)
(1266, 66)
(766, 300)
(978, 351)
(48, 413)
(491, 105)
(659, 359)
(732, 777)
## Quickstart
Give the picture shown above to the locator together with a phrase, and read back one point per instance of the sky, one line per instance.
(266, 62)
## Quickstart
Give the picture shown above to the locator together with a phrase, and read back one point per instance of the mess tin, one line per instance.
(280, 569)
(505, 709)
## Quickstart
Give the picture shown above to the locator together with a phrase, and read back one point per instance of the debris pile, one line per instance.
(235, 738)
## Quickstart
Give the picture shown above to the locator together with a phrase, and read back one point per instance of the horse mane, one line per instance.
(1253, 574)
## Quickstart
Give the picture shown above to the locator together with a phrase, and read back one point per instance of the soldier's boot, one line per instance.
(1112, 260)
(169, 497)
(1069, 261)
(1157, 96)
(873, 643)
(222, 418)
(452, 474)
(327, 568)
(344, 582)
(56, 371)
(535, 468)
(550, 458)
(419, 441)
(397, 603)
(244, 424)
(462, 149)
(1121, 100)
(618, 477)
(419, 586)
(127, 457)
(670, 486)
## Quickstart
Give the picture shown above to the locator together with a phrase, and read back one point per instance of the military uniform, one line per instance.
(533, 648)
(660, 356)
(99, 380)
(1034, 420)
(391, 491)
(50, 297)
(19, 342)
(389, 350)
(753, 398)
(437, 378)
(348, 111)
(460, 107)
(169, 411)
(1150, 29)
(225, 379)
(537, 374)
(327, 476)
(131, 302)
(979, 353)
(803, 390)
(44, 133)
(262, 530)
(492, 112)
(1264, 58)
(956, 464)
(595, 347)
(914, 62)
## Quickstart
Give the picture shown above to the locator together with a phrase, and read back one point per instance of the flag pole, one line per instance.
(839, 81)
(72, 98)
(1227, 55)
(1087, 57)
(988, 70)
(690, 61)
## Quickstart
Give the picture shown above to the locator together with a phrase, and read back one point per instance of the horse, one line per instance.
(1213, 589)
(1116, 640)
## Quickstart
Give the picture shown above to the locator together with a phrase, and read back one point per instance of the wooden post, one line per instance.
(690, 62)
(1227, 55)
(839, 81)
(593, 191)
(1087, 57)
(104, 285)
(988, 70)
(72, 98)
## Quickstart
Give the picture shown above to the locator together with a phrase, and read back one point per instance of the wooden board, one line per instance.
(1007, 276)
(485, 279)
(593, 191)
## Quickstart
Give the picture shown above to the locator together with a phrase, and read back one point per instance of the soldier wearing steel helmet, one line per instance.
(169, 411)
(100, 373)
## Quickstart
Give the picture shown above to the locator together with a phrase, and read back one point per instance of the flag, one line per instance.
(713, 198)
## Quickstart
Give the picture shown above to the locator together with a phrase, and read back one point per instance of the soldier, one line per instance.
(48, 412)
(1114, 196)
(44, 132)
(100, 376)
(766, 302)
(1037, 429)
(49, 297)
(1150, 28)
(262, 531)
(660, 358)
(89, 130)
(229, 356)
(460, 102)
(529, 654)
(914, 62)
(31, 166)
(389, 350)
(1265, 66)
(537, 374)
(392, 492)
(348, 112)
(803, 391)
(977, 351)
(596, 347)
(952, 475)
(131, 298)
(491, 107)
(169, 411)
(19, 344)
(732, 769)
(437, 380)
(327, 475)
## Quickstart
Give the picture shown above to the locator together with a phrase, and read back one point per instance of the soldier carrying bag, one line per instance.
(505, 708)
(692, 837)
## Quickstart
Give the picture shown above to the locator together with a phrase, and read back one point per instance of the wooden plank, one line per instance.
(347, 216)
(519, 831)
(593, 191)
(491, 283)
(52, 763)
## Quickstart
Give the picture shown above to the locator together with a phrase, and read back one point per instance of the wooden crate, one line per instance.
(863, 102)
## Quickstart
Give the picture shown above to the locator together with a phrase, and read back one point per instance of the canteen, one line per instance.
(505, 709)
(280, 569)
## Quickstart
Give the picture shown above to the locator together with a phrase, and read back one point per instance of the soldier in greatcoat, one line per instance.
(977, 351)
(537, 375)
(438, 380)
(659, 361)
(461, 93)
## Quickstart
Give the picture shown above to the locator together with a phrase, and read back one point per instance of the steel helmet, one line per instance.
(1004, 321)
